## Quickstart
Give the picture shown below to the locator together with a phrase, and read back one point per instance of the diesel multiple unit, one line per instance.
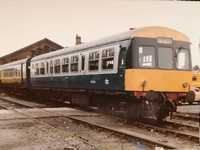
(146, 69)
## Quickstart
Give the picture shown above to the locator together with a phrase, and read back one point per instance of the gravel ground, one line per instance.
(115, 122)
(58, 134)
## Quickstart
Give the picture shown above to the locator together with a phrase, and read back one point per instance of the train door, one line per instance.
(28, 74)
(83, 64)
(22, 73)
(0, 77)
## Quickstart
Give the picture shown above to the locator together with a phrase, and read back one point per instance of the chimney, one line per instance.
(131, 28)
(78, 39)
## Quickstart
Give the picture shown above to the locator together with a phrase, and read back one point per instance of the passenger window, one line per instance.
(42, 69)
(57, 66)
(19, 74)
(51, 67)
(82, 62)
(36, 69)
(47, 67)
(108, 58)
(4, 74)
(74, 63)
(10, 74)
(32, 69)
(65, 65)
(94, 61)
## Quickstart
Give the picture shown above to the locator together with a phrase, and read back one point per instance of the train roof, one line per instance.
(13, 63)
(147, 32)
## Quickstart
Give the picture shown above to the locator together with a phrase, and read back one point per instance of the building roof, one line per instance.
(29, 46)
(34, 49)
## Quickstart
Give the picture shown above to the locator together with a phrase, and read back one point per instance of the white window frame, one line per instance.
(79, 72)
(93, 51)
(40, 65)
(62, 58)
(58, 58)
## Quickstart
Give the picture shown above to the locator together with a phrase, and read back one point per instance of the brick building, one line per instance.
(40, 47)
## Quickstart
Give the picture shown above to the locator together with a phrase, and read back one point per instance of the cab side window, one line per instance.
(147, 56)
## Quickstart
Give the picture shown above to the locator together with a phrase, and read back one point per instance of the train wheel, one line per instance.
(190, 97)
(157, 107)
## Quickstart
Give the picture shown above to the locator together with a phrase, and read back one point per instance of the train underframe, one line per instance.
(152, 106)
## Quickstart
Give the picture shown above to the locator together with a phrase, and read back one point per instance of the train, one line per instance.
(194, 93)
(142, 71)
(193, 96)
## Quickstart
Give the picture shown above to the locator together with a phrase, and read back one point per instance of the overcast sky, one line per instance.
(23, 22)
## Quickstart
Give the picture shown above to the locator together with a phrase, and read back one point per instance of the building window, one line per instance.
(42, 69)
(74, 63)
(108, 58)
(57, 66)
(94, 61)
(51, 67)
(65, 65)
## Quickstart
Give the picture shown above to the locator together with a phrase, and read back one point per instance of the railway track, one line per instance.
(147, 141)
(187, 116)
(189, 134)
(180, 125)
(171, 130)
(151, 142)
(4, 104)
(153, 135)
